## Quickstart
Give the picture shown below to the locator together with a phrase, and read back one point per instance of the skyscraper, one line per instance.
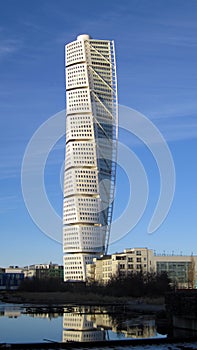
(90, 166)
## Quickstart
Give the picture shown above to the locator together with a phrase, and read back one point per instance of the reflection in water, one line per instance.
(9, 310)
(71, 323)
(140, 329)
(79, 325)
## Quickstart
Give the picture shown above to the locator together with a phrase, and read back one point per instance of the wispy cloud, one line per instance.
(178, 129)
(176, 124)
(172, 126)
(9, 46)
(8, 203)
(9, 165)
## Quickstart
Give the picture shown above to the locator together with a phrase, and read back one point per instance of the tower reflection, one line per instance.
(82, 326)
(79, 326)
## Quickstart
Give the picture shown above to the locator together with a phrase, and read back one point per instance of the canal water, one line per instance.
(37, 324)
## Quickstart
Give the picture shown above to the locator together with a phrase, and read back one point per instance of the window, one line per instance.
(130, 259)
(130, 266)
(138, 259)
(122, 266)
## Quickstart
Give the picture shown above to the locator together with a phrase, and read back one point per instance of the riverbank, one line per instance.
(51, 298)
(64, 298)
(152, 344)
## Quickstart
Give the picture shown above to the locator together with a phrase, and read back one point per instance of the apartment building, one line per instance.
(123, 264)
(181, 269)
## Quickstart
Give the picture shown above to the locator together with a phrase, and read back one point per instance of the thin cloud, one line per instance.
(172, 129)
(9, 166)
(178, 110)
(9, 46)
(9, 171)
(178, 129)
(8, 203)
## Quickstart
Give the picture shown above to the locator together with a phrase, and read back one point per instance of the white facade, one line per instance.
(13, 269)
(122, 264)
(91, 136)
(79, 326)
(181, 269)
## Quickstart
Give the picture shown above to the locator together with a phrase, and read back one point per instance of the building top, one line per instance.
(103, 257)
(83, 37)
(127, 250)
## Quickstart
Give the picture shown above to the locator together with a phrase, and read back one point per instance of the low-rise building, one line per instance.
(122, 264)
(10, 280)
(181, 269)
(43, 271)
(12, 276)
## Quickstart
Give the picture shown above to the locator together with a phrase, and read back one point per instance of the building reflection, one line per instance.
(140, 329)
(88, 323)
(80, 326)
(35, 312)
(10, 311)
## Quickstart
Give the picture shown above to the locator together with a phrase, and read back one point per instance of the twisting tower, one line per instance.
(90, 166)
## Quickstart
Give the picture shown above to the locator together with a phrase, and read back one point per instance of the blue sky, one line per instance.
(156, 50)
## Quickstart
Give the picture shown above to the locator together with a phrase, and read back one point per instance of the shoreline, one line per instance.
(145, 304)
(168, 341)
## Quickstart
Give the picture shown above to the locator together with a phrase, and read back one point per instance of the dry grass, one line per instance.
(59, 298)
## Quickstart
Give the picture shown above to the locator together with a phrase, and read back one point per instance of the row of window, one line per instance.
(88, 205)
(77, 109)
(75, 44)
(72, 258)
(90, 217)
(75, 135)
(80, 155)
(77, 101)
(74, 55)
(71, 277)
(83, 147)
(129, 259)
(81, 162)
(75, 152)
(74, 73)
(75, 58)
(81, 93)
(85, 239)
(79, 119)
(73, 248)
(77, 69)
(80, 187)
(88, 127)
(131, 266)
(73, 82)
(78, 106)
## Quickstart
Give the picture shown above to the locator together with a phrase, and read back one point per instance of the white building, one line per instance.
(78, 326)
(122, 264)
(181, 269)
(91, 136)
(13, 269)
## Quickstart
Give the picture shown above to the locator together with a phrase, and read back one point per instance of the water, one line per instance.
(31, 324)
(20, 324)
